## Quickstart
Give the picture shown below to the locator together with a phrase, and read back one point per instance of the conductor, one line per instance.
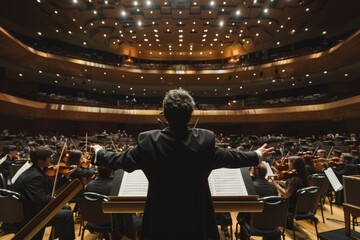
(177, 162)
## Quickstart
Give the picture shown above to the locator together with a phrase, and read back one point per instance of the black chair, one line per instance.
(90, 208)
(11, 210)
(321, 181)
(224, 220)
(307, 200)
(268, 222)
(3, 184)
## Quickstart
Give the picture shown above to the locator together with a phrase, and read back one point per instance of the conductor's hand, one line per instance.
(266, 151)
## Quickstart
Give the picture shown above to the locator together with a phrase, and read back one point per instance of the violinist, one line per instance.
(348, 169)
(309, 164)
(79, 163)
(298, 179)
(33, 185)
(321, 153)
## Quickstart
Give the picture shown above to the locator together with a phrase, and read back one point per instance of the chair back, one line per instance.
(13, 168)
(321, 181)
(2, 181)
(90, 207)
(11, 206)
(307, 199)
(274, 213)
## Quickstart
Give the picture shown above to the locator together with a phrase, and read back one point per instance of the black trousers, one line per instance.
(63, 222)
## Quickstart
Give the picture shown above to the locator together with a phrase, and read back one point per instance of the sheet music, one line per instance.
(222, 182)
(269, 172)
(334, 181)
(134, 184)
(20, 171)
(227, 182)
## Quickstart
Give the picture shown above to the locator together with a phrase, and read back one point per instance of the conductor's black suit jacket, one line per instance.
(177, 165)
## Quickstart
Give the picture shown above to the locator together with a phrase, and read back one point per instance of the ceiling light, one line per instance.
(307, 9)
(266, 10)
(324, 32)
(238, 12)
(325, 72)
(212, 3)
(345, 75)
(123, 13)
(135, 3)
(56, 12)
(139, 23)
(95, 12)
(39, 33)
(278, 43)
(148, 3)
(84, 43)
(221, 23)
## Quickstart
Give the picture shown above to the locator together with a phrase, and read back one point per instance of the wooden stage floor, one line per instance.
(304, 229)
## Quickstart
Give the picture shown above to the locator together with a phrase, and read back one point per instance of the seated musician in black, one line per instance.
(126, 224)
(348, 169)
(7, 159)
(263, 188)
(34, 187)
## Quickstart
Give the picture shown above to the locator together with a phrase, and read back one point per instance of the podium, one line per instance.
(117, 204)
(351, 206)
(135, 204)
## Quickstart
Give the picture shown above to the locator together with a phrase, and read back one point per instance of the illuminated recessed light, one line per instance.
(84, 43)
(57, 30)
(307, 9)
(325, 72)
(123, 13)
(20, 75)
(139, 23)
(95, 12)
(273, 80)
(148, 3)
(56, 12)
(56, 81)
(293, 84)
(345, 75)
(212, 3)
(278, 43)
(307, 75)
(266, 10)
(310, 82)
(306, 29)
(237, 12)
(324, 32)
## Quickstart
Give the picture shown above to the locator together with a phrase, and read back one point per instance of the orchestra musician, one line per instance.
(126, 224)
(298, 179)
(33, 186)
(177, 162)
(263, 188)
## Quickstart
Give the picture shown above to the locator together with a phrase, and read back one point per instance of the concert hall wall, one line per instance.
(16, 124)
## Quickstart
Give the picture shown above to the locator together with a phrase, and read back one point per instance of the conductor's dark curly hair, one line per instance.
(178, 106)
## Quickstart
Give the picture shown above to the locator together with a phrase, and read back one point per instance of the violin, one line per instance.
(286, 174)
(63, 169)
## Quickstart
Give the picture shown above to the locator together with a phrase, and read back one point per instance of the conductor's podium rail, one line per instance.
(249, 203)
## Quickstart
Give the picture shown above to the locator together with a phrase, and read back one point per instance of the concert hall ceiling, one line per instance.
(212, 48)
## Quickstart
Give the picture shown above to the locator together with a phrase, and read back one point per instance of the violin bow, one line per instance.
(42, 139)
(332, 148)
(57, 169)
(115, 148)
(73, 143)
(86, 136)
(197, 120)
